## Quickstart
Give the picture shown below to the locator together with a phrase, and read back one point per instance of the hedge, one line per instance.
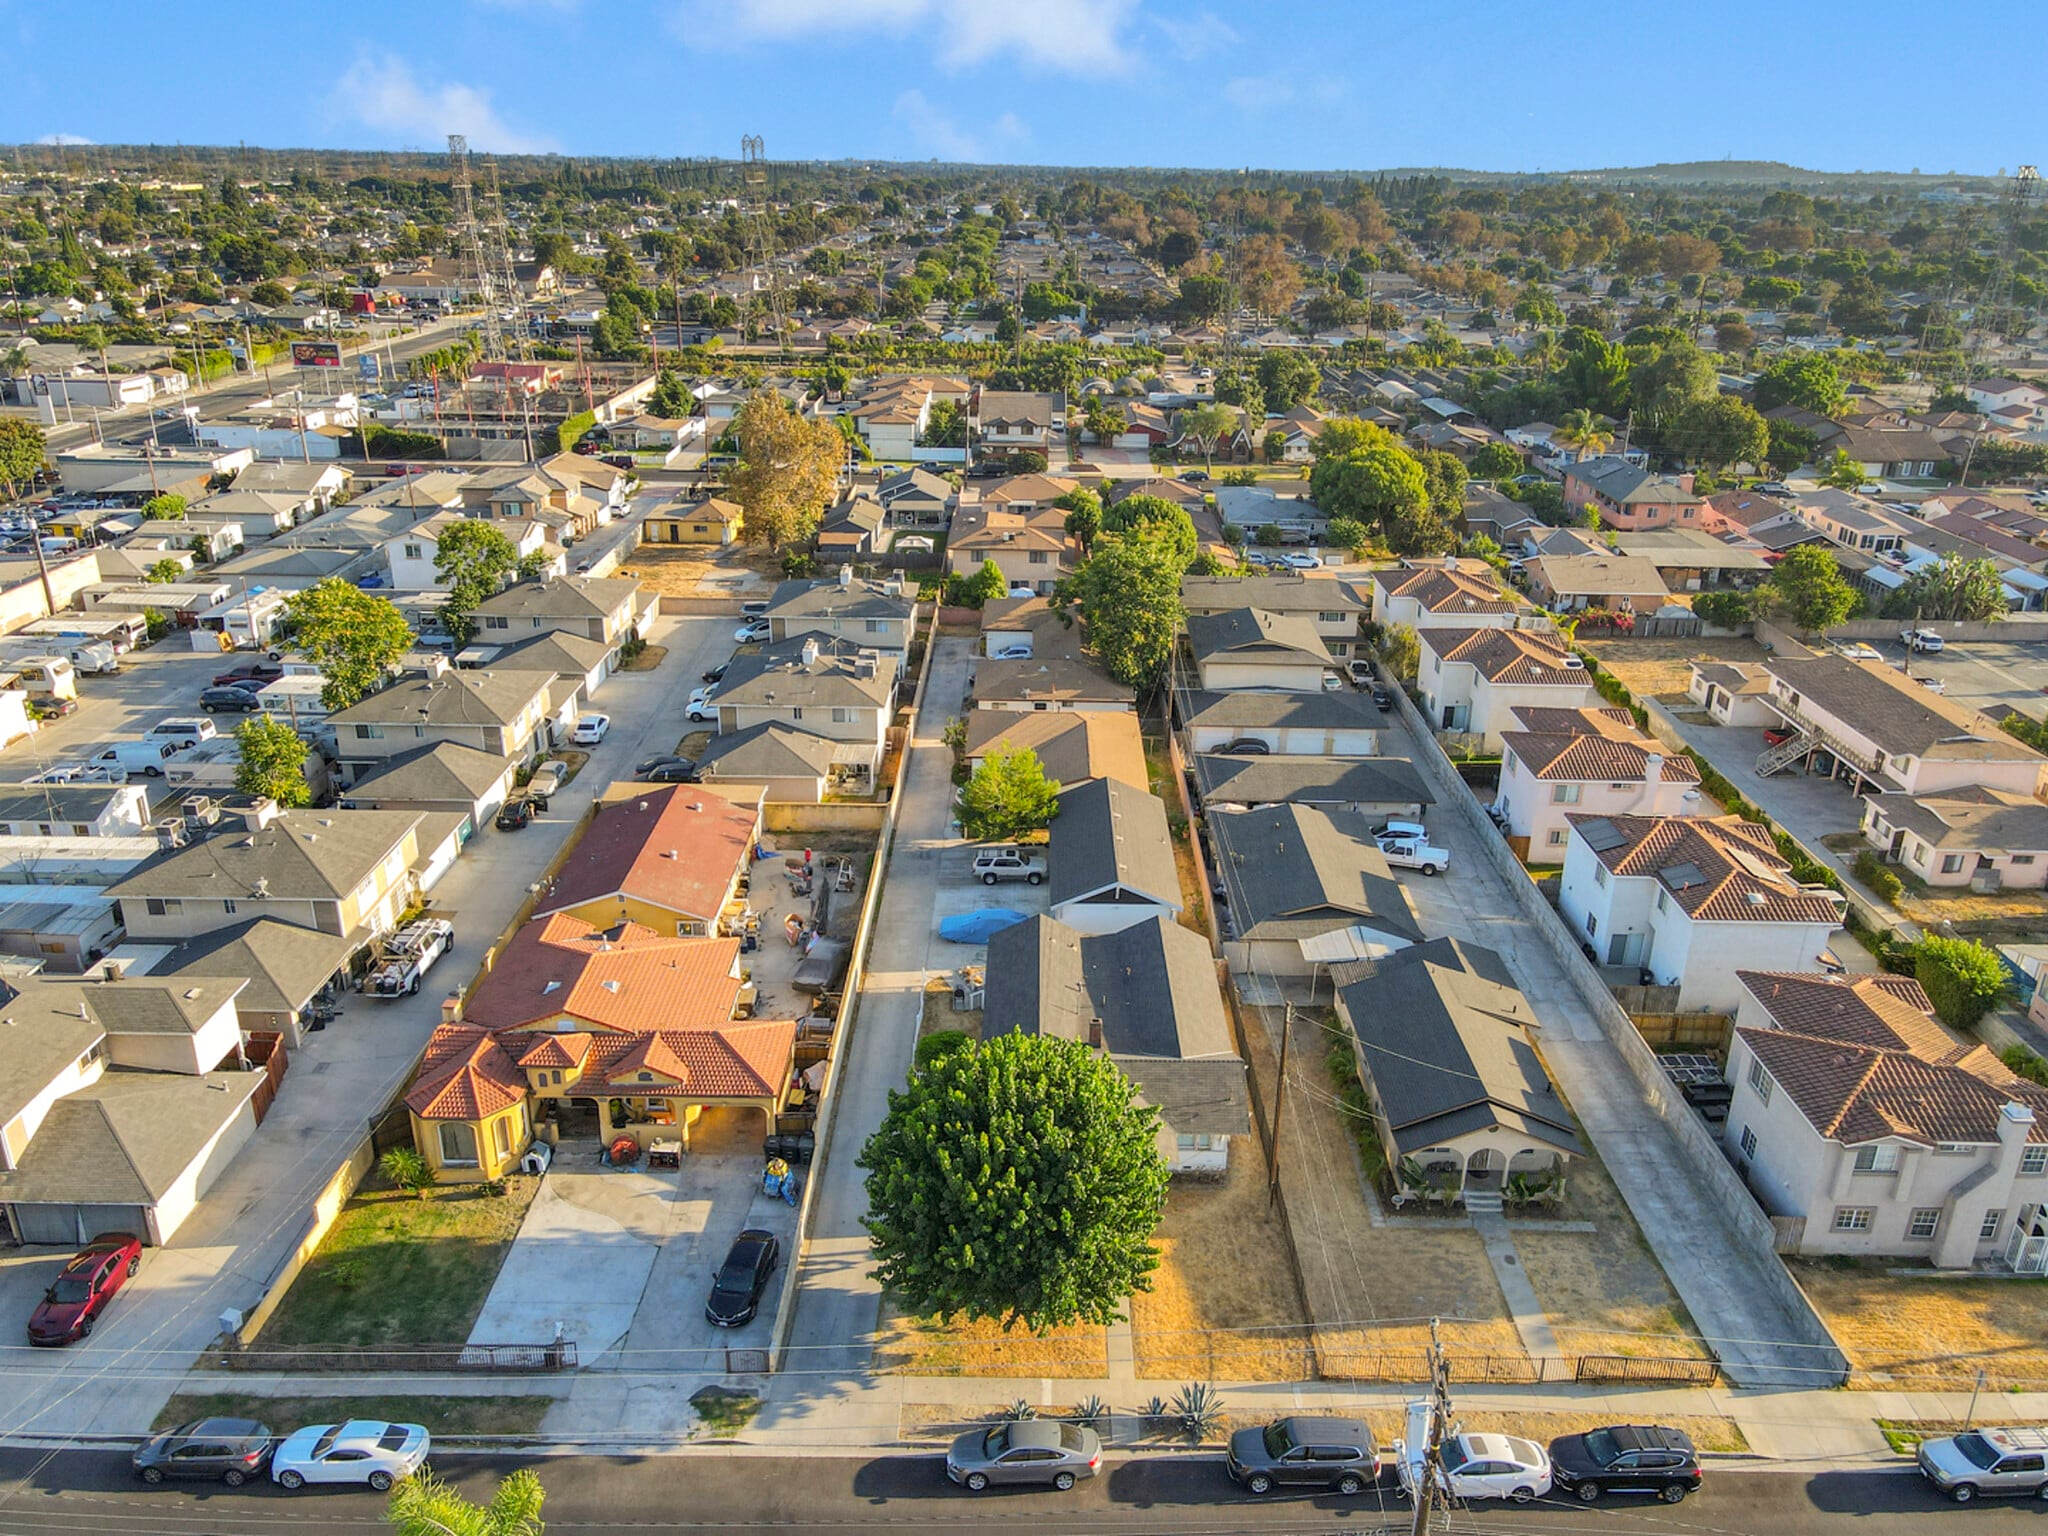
(1871, 870)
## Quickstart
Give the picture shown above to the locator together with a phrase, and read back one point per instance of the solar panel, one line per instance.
(1679, 876)
(1601, 835)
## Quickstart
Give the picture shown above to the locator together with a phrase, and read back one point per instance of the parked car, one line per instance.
(360, 1451)
(229, 700)
(1361, 671)
(590, 730)
(679, 771)
(1414, 853)
(53, 708)
(1861, 652)
(1399, 827)
(233, 1450)
(753, 629)
(1024, 1451)
(701, 705)
(1921, 640)
(1474, 1466)
(515, 815)
(250, 674)
(1626, 1458)
(1246, 746)
(1195, 476)
(1016, 650)
(78, 1296)
(1984, 1463)
(1383, 699)
(717, 673)
(1776, 488)
(1304, 1453)
(182, 730)
(754, 608)
(1294, 560)
(736, 1289)
(993, 864)
(408, 955)
(547, 780)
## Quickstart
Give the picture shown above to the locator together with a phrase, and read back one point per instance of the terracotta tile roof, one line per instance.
(1853, 1093)
(564, 1050)
(465, 1075)
(1442, 591)
(1517, 656)
(736, 1061)
(625, 978)
(677, 847)
(1718, 869)
(1883, 1011)
(1592, 744)
(1553, 720)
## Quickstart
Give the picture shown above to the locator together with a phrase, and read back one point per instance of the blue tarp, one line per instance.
(980, 926)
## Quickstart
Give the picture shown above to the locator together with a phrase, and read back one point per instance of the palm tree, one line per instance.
(1583, 432)
(423, 1506)
(94, 339)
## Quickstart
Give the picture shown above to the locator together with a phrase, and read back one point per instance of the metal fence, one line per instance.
(560, 1355)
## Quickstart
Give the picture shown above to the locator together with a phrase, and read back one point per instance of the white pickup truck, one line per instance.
(408, 954)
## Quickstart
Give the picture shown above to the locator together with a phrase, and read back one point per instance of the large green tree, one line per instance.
(1672, 378)
(1951, 588)
(1288, 378)
(1133, 511)
(1808, 380)
(1016, 1180)
(1208, 427)
(1008, 796)
(789, 467)
(353, 636)
(271, 761)
(1496, 461)
(1963, 979)
(423, 1505)
(22, 452)
(473, 558)
(1084, 516)
(1717, 432)
(1386, 488)
(1808, 588)
(1128, 592)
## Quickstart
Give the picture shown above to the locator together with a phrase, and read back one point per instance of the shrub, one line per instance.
(1269, 536)
(2024, 1063)
(1871, 870)
(1724, 610)
(406, 1169)
(1964, 980)
(943, 1042)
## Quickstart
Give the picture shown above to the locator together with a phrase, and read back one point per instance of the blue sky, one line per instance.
(1310, 84)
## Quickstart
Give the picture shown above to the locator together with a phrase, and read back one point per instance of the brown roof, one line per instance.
(1882, 1010)
(625, 978)
(676, 847)
(1593, 755)
(1448, 591)
(735, 1061)
(1901, 717)
(1718, 869)
(1072, 744)
(465, 1075)
(1510, 656)
(563, 1050)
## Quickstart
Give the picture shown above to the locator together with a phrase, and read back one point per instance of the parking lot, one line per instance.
(1981, 673)
(153, 684)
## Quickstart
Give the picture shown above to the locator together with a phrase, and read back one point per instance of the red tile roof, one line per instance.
(564, 1050)
(1882, 1010)
(1852, 1093)
(735, 1061)
(465, 1075)
(677, 847)
(1468, 589)
(1592, 744)
(1510, 655)
(626, 978)
(1719, 869)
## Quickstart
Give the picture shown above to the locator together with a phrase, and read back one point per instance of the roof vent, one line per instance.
(611, 985)
(1755, 898)
(553, 986)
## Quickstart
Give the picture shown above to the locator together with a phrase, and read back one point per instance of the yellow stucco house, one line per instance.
(713, 520)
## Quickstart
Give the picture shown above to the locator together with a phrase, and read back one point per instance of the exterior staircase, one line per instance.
(1775, 759)
(1482, 1202)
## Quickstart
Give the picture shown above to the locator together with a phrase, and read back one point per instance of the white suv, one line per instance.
(993, 864)
(1983, 1462)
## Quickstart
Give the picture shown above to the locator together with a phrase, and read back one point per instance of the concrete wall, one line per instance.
(1746, 1222)
(793, 816)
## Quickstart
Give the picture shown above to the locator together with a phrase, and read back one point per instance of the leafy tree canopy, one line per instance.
(1008, 796)
(272, 761)
(353, 636)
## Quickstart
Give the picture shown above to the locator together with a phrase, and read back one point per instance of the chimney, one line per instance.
(1095, 1033)
(846, 576)
(1653, 768)
(451, 1008)
(810, 652)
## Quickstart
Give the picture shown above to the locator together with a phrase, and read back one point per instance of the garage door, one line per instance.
(69, 1225)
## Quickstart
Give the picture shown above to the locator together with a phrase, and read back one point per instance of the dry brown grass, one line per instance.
(1661, 667)
(925, 1347)
(939, 1014)
(680, 570)
(1706, 1431)
(1223, 1304)
(1933, 1332)
(1603, 1290)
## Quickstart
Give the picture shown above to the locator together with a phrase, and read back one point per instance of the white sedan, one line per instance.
(1473, 1466)
(753, 629)
(1414, 853)
(590, 730)
(360, 1451)
(703, 704)
(1301, 562)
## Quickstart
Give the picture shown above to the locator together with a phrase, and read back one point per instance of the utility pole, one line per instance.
(1429, 1490)
(1280, 1106)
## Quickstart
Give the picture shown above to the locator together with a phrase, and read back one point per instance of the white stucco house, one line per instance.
(1447, 593)
(1592, 761)
(1953, 837)
(1472, 680)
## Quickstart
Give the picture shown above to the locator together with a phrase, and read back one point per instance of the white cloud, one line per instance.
(65, 138)
(383, 93)
(940, 136)
(1070, 36)
(1192, 36)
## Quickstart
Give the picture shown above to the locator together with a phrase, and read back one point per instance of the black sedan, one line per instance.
(680, 771)
(716, 672)
(736, 1292)
(233, 1450)
(1626, 1458)
(514, 815)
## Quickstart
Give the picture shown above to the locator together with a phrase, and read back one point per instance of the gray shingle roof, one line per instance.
(777, 676)
(126, 1139)
(284, 963)
(302, 856)
(827, 599)
(1226, 779)
(1244, 710)
(465, 697)
(1112, 835)
(1252, 634)
(445, 770)
(1293, 872)
(771, 750)
(1903, 719)
(580, 597)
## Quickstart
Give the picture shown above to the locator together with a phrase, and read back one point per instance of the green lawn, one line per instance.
(441, 1415)
(400, 1270)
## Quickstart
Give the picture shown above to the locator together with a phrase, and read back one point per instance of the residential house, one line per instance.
(441, 777)
(1849, 520)
(1456, 1091)
(1473, 679)
(348, 873)
(410, 553)
(1857, 1114)
(1145, 996)
(893, 413)
(1559, 761)
(917, 498)
(1250, 648)
(505, 715)
(559, 975)
(1005, 421)
(837, 689)
(1629, 497)
(1333, 606)
(1026, 493)
(1688, 899)
(784, 762)
(1032, 549)
(1451, 593)
(1112, 858)
(258, 515)
(1971, 834)
(1891, 451)
(1039, 683)
(1377, 788)
(2013, 402)
(578, 667)
(73, 810)
(1072, 745)
(1733, 692)
(1341, 724)
(121, 1104)
(1013, 628)
(286, 970)
(1693, 559)
(667, 857)
(1867, 722)
(607, 608)
(876, 615)
(316, 485)
(1572, 583)
(851, 530)
(709, 520)
(1302, 888)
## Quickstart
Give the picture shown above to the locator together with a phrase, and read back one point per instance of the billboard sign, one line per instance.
(316, 354)
(367, 365)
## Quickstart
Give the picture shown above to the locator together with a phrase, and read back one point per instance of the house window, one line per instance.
(495, 621)
(797, 713)
(1599, 870)
(163, 906)
(1988, 1228)
(874, 626)
(228, 907)
(80, 829)
(43, 828)
(841, 715)
(1853, 1218)
(412, 552)
(1922, 1222)
(501, 1135)
(1558, 835)
(1331, 618)
(1564, 794)
(369, 732)
(1951, 863)
(979, 556)
(1760, 1080)
(1592, 925)
(1663, 900)
(555, 1077)
(1040, 557)
(458, 1145)
(2022, 858)
(1748, 1142)
(1919, 854)
(2034, 1160)
(1882, 1158)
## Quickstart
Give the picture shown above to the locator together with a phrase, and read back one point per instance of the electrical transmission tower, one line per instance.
(498, 252)
(759, 220)
(2018, 197)
(476, 263)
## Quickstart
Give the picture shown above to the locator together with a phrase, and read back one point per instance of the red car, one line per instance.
(69, 1307)
(250, 674)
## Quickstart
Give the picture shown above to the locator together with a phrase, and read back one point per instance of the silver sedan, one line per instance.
(1026, 1451)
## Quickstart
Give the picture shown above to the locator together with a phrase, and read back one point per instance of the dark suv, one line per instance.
(1304, 1453)
(1626, 1458)
(233, 1450)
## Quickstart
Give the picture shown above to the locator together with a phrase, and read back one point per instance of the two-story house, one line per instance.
(1848, 520)
(917, 498)
(1251, 648)
(1031, 548)
(1857, 1112)
(1592, 761)
(607, 608)
(1970, 834)
(668, 858)
(1450, 593)
(837, 689)
(893, 413)
(1334, 607)
(503, 713)
(410, 553)
(1867, 723)
(1690, 898)
(1627, 496)
(1005, 420)
(1473, 679)
(877, 615)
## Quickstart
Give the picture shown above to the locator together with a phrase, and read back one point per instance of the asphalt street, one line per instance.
(43, 1494)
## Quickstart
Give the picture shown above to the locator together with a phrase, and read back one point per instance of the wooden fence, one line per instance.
(1685, 1031)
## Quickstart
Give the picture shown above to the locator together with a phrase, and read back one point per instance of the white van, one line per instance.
(183, 730)
(146, 757)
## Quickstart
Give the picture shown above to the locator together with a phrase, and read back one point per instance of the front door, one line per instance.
(1482, 1169)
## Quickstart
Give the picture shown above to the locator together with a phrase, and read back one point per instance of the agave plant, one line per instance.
(1091, 1411)
(1199, 1407)
(1019, 1410)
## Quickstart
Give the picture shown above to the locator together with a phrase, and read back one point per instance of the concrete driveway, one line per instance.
(152, 685)
(958, 891)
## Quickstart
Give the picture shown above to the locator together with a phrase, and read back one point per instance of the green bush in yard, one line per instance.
(1964, 980)
(2024, 1063)
(1871, 870)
